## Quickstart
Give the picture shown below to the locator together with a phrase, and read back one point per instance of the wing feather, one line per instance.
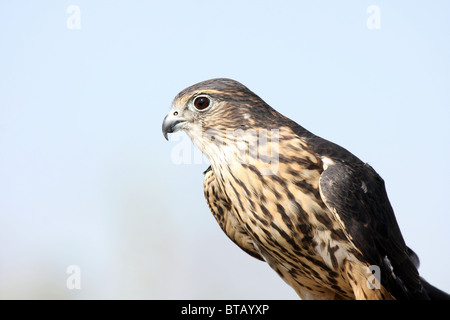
(357, 194)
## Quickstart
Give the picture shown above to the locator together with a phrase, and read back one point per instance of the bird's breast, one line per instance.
(284, 214)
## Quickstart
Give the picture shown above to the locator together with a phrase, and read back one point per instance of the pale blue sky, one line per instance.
(87, 179)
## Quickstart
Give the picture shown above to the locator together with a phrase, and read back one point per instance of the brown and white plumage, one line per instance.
(318, 215)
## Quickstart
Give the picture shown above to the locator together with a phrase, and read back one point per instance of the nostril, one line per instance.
(175, 113)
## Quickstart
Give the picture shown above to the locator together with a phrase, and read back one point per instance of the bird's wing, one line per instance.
(356, 195)
(224, 213)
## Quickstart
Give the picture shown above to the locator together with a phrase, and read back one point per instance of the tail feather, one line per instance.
(433, 292)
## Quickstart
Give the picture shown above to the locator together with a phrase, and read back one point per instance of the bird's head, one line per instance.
(225, 120)
(216, 112)
(216, 103)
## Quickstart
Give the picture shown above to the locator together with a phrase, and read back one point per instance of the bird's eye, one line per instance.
(201, 103)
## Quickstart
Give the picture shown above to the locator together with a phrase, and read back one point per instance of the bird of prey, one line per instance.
(317, 214)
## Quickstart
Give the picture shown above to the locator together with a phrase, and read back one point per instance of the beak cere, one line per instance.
(171, 124)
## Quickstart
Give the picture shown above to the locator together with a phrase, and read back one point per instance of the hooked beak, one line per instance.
(172, 123)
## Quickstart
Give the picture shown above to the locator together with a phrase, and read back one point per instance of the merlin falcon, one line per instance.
(317, 214)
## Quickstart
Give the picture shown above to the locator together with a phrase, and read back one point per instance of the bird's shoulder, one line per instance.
(355, 193)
